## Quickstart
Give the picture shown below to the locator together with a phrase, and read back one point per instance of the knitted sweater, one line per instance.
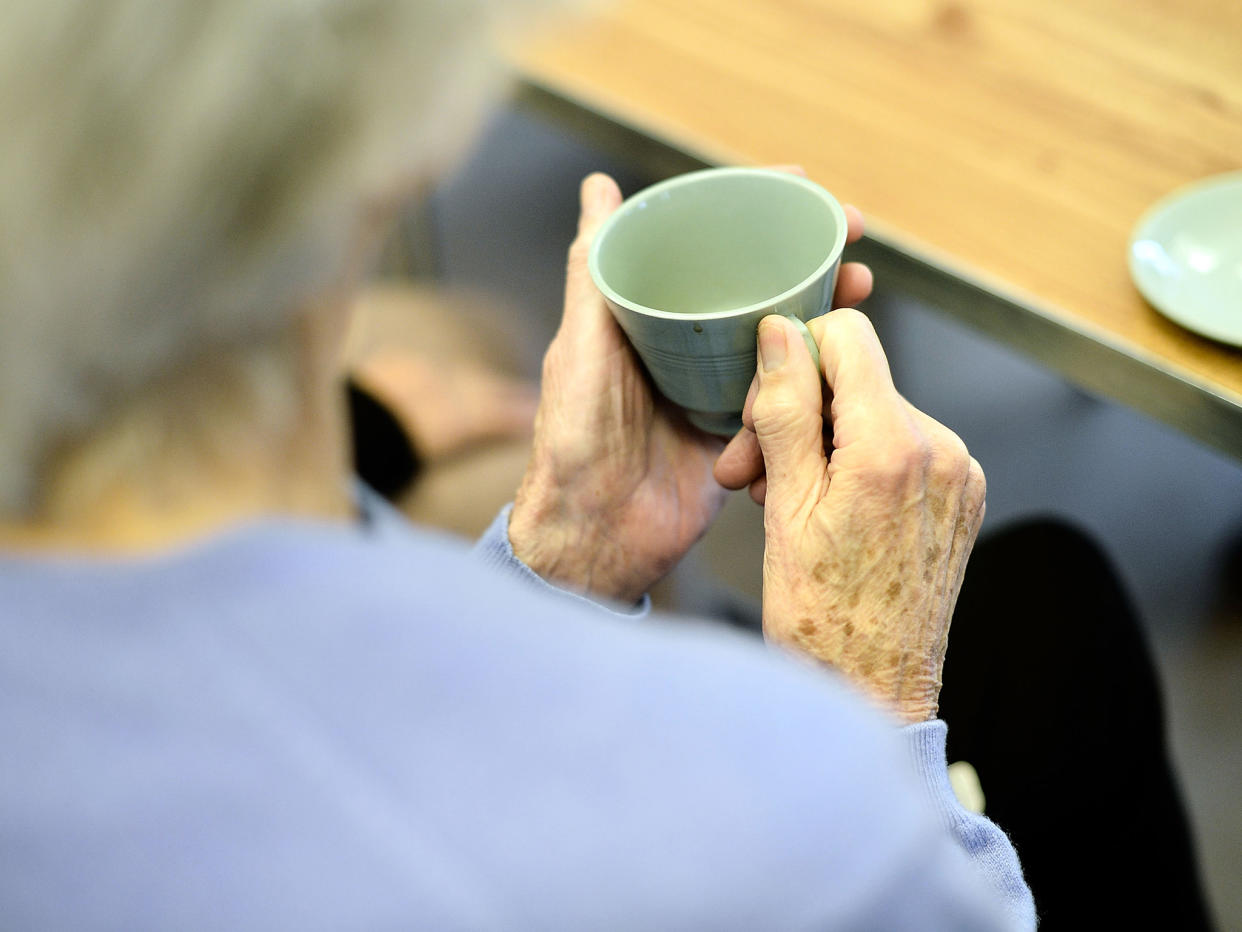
(300, 725)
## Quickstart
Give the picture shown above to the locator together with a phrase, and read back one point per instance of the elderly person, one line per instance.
(238, 691)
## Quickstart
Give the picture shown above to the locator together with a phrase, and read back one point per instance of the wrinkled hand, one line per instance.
(867, 539)
(619, 485)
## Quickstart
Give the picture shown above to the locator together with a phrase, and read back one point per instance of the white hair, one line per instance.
(178, 177)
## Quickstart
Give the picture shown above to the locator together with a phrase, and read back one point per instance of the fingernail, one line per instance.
(772, 347)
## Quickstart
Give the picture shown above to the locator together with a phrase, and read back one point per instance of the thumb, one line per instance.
(599, 196)
(788, 417)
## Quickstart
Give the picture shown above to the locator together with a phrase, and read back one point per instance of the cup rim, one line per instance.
(629, 205)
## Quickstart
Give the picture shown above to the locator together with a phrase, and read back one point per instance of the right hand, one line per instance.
(866, 541)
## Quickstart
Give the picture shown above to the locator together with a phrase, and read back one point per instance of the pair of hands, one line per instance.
(866, 539)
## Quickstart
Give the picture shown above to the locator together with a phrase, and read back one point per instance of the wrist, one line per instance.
(495, 550)
(565, 546)
(910, 704)
(903, 679)
(916, 712)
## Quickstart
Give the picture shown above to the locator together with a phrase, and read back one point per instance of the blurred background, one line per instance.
(491, 241)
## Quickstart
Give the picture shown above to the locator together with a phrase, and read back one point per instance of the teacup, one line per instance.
(690, 266)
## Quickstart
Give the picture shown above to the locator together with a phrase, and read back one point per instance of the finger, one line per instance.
(854, 224)
(955, 470)
(748, 420)
(956, 492)
(740, 461)
(788, 418)
(853, 361)
(599, 196)
(867, 415)
(974, 506)
(759, 491)
(854, 283)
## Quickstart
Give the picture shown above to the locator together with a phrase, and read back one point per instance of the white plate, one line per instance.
(1186, 257)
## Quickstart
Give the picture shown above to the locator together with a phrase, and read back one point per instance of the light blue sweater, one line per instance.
(310, 726)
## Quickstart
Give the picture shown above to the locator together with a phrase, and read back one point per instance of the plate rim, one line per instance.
(1229, 179)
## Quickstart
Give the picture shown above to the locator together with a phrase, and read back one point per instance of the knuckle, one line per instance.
(915, 453)
(773, 411)
(976, 484)
(950, 462)
(934, 455)
(905, 457)
(846, 324)
(851, 319)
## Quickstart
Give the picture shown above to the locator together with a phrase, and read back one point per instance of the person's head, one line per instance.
(180, 180)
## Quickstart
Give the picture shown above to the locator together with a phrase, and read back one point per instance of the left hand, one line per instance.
(619, 484)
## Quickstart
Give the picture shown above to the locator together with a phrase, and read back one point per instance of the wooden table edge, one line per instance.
(1095, 360)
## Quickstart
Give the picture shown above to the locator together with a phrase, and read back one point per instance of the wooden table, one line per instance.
(1002, 150)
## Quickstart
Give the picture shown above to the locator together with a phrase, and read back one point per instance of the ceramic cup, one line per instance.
(691, 265)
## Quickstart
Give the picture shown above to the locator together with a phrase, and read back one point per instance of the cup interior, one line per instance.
(718, 240)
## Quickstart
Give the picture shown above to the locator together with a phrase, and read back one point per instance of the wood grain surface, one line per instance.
(1018, 141)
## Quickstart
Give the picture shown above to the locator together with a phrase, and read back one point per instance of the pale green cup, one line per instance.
(691, 265)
